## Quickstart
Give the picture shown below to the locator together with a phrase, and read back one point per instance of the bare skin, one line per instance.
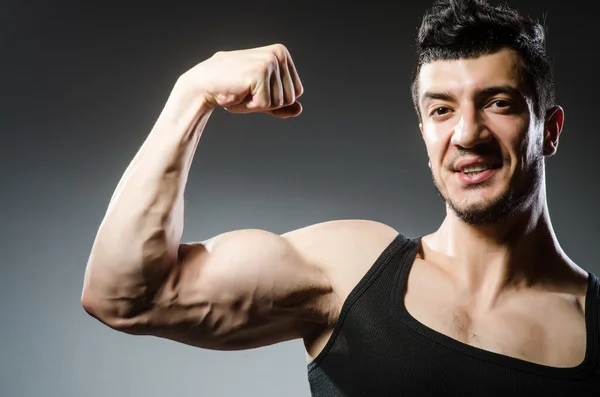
(482, 285)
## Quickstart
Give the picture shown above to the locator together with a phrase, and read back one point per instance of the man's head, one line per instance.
(484, 93)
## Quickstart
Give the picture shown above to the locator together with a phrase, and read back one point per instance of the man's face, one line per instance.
(484, 143)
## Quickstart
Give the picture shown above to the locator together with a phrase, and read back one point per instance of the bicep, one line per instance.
(241, 289)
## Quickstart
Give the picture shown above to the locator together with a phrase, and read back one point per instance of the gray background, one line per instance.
(83, 84)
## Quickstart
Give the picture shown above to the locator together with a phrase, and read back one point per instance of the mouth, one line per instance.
(474, 165)
(476, 171)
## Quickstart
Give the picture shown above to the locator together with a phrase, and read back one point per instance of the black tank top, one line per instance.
(378, 349)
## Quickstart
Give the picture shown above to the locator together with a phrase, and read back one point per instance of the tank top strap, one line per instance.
(411, 248)
(381, 275)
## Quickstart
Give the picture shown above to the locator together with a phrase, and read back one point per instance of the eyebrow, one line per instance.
(481, 93)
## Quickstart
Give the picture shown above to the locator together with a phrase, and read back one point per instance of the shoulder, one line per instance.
(342, 237)
(341, 228)
(344, 250)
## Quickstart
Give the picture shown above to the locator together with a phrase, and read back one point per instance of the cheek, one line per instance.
(430, 135)
(434, 144)
(525, 147)
(436, 150)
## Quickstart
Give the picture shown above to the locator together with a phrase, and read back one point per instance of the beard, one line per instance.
(516, 200)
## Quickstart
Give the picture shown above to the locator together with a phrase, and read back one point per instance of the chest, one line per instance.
(543, 329)
(442, 349)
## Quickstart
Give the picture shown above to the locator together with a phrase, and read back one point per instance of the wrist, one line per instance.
(186, 108)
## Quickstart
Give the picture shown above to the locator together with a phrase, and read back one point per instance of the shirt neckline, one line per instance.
(581, 370)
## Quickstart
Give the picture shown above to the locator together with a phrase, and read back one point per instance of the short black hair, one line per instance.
(459, 29)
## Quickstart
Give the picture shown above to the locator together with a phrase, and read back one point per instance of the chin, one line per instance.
(494, 200)
(490, 210)
(490, 202)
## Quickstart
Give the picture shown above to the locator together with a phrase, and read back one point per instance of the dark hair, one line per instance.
(454, 29)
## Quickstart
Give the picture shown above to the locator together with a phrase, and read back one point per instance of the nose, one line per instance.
(470, 130)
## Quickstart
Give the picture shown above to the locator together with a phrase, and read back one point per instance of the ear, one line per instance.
(555, 119)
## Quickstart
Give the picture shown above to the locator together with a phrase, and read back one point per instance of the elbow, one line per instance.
(91, 304)
(98, 308)
(88, 304)
(113, 315)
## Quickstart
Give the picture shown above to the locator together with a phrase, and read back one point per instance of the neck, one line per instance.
(489, 259)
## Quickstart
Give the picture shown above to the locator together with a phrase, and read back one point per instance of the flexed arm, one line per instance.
(240, 289)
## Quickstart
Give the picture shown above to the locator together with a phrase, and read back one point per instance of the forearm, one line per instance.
(137, 243)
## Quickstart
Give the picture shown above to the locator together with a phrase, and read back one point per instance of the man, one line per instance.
(488, 304)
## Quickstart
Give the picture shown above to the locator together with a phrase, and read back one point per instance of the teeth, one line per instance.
(475, 168)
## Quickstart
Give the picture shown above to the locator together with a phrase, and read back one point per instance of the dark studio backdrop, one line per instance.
(81, 86)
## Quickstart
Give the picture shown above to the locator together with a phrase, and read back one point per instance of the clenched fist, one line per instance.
(261, 79)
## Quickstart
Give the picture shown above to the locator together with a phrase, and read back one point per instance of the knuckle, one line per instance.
(272, 59)
(280, 51)
(260, 70)
(268, 64)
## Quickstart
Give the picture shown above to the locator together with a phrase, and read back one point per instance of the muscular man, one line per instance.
(488, 304)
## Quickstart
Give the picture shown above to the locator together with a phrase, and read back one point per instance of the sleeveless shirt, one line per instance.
(378, 349)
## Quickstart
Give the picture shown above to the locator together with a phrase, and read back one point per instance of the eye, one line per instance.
(500, 104)
(439, 111)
